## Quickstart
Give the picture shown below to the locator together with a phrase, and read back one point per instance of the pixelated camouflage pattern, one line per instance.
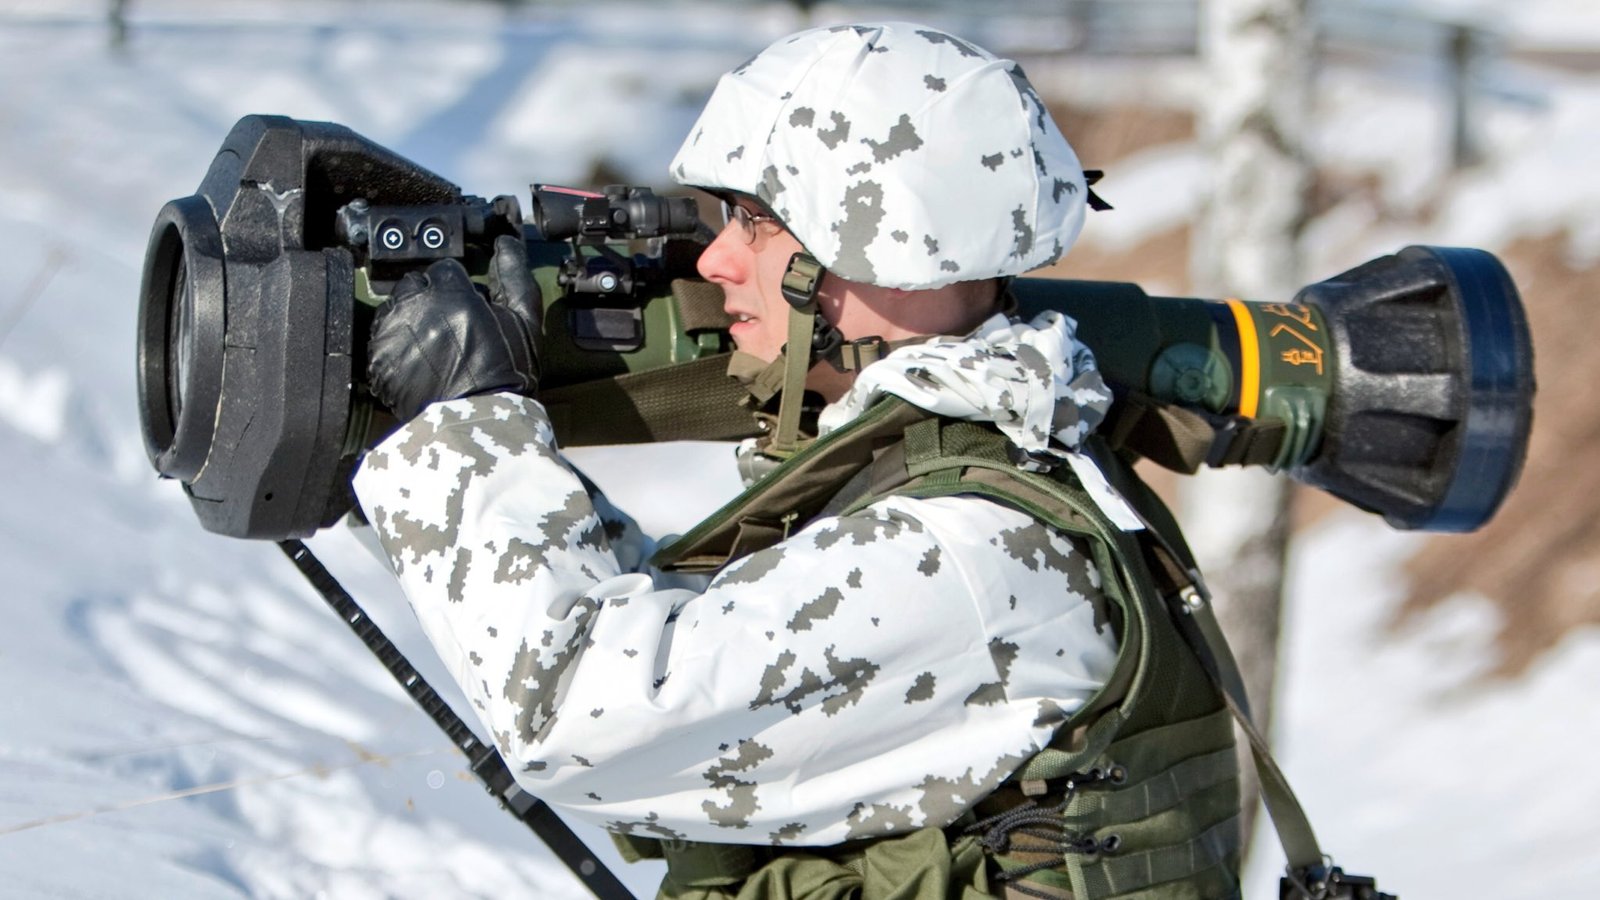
(879, 145)
(1035, 381)
(872, 674)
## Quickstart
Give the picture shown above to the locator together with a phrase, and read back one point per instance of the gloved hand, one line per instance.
(437, 338)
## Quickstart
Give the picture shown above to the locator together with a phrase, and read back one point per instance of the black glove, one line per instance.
(437, 338)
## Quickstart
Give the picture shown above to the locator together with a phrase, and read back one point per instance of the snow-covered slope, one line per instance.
(143, 658)
(182, 718)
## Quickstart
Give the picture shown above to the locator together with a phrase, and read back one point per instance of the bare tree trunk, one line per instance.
(1257, 54)
(117, 24)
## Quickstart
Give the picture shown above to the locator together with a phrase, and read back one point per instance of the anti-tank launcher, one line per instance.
(1403, 386)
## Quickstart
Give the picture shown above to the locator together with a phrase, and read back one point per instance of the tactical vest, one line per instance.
(1138, 793)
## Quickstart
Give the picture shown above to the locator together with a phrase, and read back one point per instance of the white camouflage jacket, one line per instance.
(873, 673)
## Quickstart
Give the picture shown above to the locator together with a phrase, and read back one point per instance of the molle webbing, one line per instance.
(1187, 651)
(1159, 718)
(1172, 820)
(1197, 623)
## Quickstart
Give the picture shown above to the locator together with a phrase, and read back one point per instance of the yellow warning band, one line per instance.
(1249, 359)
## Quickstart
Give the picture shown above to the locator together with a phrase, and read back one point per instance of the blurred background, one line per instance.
(180, 716)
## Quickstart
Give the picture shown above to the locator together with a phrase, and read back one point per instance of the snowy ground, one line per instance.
(183, 719)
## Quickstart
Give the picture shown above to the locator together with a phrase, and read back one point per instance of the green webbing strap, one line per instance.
(1178, 442)
(1190, 606)
(1182, 439)
(1191, 611)
(1162, 792)
(1248, 442)
(1150, 749)
(690, 401)
(1288, 817)
(801, 281)
(1053, 763)
(797, 361)
(761, 379)
(1186, 597)
(1215, 761)
(853, 356)
(922, 444)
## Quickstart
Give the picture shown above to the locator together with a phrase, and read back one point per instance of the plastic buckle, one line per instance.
(862, 352)
(801, 280)
(1224, 443)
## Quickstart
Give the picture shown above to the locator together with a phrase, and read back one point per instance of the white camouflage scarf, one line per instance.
(1035, 381)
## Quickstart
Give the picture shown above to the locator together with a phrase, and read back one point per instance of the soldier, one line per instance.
(859, 708)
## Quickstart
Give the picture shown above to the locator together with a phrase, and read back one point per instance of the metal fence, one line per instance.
(1391, 36)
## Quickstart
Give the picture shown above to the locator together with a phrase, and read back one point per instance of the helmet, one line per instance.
(898, 155)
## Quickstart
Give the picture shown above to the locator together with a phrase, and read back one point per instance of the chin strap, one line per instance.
(806, 330)
(822, 342)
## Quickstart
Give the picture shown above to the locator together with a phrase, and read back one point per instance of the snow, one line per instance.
(1410, 765)
(185, 719)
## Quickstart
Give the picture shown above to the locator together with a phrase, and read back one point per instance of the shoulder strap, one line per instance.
(1184, 439)
(1189, 602)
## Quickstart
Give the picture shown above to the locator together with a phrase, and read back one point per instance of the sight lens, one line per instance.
(179, 353)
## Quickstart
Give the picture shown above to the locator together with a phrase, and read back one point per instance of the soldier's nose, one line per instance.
(720, 262)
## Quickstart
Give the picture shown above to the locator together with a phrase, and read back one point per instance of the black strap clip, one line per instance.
(1328, 882)
(1239, 441)
(1224, 445)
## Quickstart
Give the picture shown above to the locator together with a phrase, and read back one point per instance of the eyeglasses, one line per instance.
(734, 214)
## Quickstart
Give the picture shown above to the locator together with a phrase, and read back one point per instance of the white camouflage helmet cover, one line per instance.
(899, 155)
